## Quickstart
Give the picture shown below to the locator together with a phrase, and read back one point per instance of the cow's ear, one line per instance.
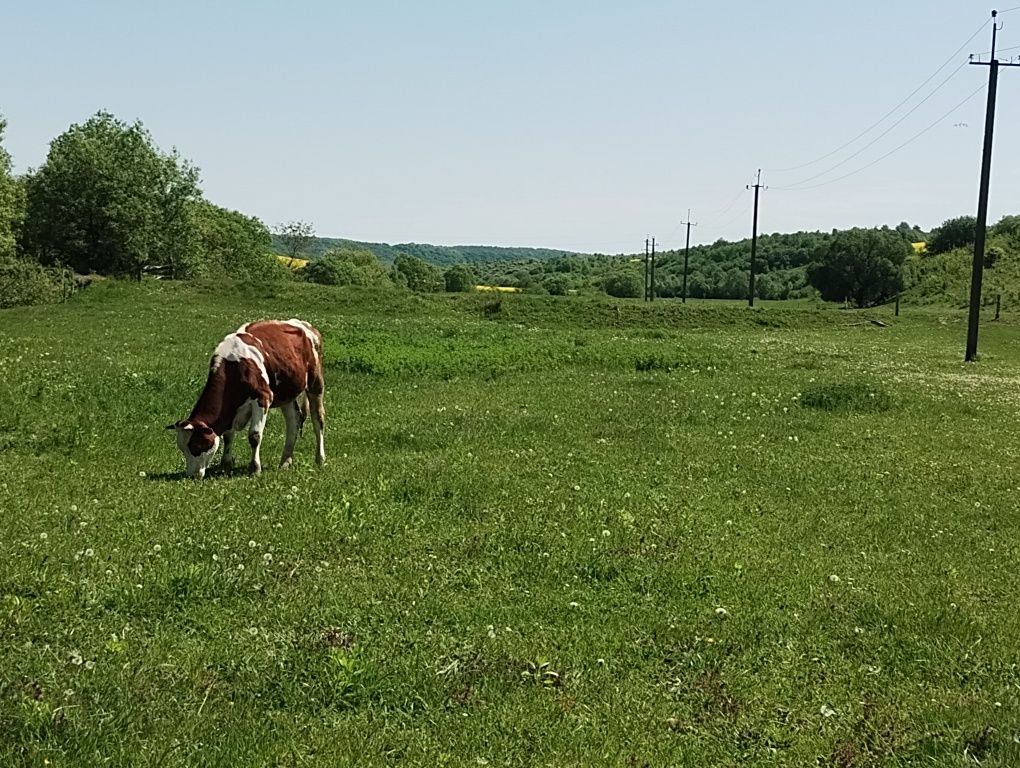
(172, 426)
(205, 429)
(181, 425)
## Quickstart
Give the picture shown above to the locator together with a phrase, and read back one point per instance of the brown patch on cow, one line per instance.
(293, 364)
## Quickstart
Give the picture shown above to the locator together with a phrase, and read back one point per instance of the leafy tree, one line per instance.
(864, 265)
(345, 265)
(12, 202)
(107, 200)
(954, 233)
(231, 244)
(624, 284)
(459, 278)
(557, 285)
(296, 237)
(416, 274)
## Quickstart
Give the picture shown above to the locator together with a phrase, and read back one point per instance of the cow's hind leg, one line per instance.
(292, 415)
(255, 429)
(319, 422)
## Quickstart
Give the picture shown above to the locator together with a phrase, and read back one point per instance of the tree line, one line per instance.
(108, 201)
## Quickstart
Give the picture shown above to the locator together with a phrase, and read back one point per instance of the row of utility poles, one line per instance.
(979, 235)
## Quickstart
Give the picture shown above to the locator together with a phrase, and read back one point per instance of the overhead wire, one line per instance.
(884, 133)
(887, 114)
(797, 188)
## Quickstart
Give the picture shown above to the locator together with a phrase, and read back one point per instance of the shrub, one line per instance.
(24, 282)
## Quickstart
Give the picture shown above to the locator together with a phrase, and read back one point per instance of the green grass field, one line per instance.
(549, 532)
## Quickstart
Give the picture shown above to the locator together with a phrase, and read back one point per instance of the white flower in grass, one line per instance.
(721, 612)
(827, 711)
(834, 578)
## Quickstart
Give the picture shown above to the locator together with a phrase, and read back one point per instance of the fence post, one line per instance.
(897, 305)
(998, 304)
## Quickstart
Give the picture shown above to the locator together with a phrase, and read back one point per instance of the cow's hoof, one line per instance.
(254, 469)
(320, 460)
(286, 463)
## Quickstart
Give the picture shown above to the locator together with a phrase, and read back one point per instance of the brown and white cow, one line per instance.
(262, 365)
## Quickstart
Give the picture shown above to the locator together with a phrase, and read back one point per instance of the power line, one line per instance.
(884, 133)
(887, 114)
(890, 152)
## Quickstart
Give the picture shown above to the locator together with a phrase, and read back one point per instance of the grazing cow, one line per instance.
(262, 365)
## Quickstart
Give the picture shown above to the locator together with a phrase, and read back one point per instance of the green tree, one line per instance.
(954, 233)
(624, 284)
(863, 265)
(296, 237)
(12, 202)
(346, 265)
(107, 200)
(416, 274)
(232, 244)
(459, 278)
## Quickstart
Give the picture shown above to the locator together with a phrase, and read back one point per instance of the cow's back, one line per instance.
(291, 352)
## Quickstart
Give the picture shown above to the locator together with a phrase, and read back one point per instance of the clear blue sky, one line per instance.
(565, 123)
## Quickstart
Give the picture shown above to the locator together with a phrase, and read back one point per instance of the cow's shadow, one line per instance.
(213, 473)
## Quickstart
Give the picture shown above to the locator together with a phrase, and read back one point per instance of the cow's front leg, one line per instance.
(292, 415)
(255, 429)
(227, 462)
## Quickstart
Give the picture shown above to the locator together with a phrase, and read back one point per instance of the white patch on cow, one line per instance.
(195, 466)
(243, 328)
(309, 333)
(234, 349)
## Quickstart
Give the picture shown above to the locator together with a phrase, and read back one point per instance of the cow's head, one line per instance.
(198, 443)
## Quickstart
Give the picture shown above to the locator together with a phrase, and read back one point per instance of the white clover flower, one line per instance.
(721, 612)
(834, 579)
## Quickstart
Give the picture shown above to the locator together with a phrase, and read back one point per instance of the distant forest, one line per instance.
(717, 270)
(438, 255)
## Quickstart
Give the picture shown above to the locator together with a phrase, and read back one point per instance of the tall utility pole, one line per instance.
(687, 250)
(651, 293)
(757, 186)
(982, 212)
(647, 243)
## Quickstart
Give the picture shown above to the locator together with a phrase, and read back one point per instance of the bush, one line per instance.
(459, 278)
(624, 285)
(24, 282)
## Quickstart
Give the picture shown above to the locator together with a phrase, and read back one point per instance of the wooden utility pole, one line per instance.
(977, 267)
(687, 251)
(647, 243)
(651, 293)
(757, 186)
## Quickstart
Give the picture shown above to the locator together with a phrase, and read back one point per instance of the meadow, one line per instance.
(551, 531)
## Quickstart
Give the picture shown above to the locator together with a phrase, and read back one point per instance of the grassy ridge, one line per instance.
(550, 532)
